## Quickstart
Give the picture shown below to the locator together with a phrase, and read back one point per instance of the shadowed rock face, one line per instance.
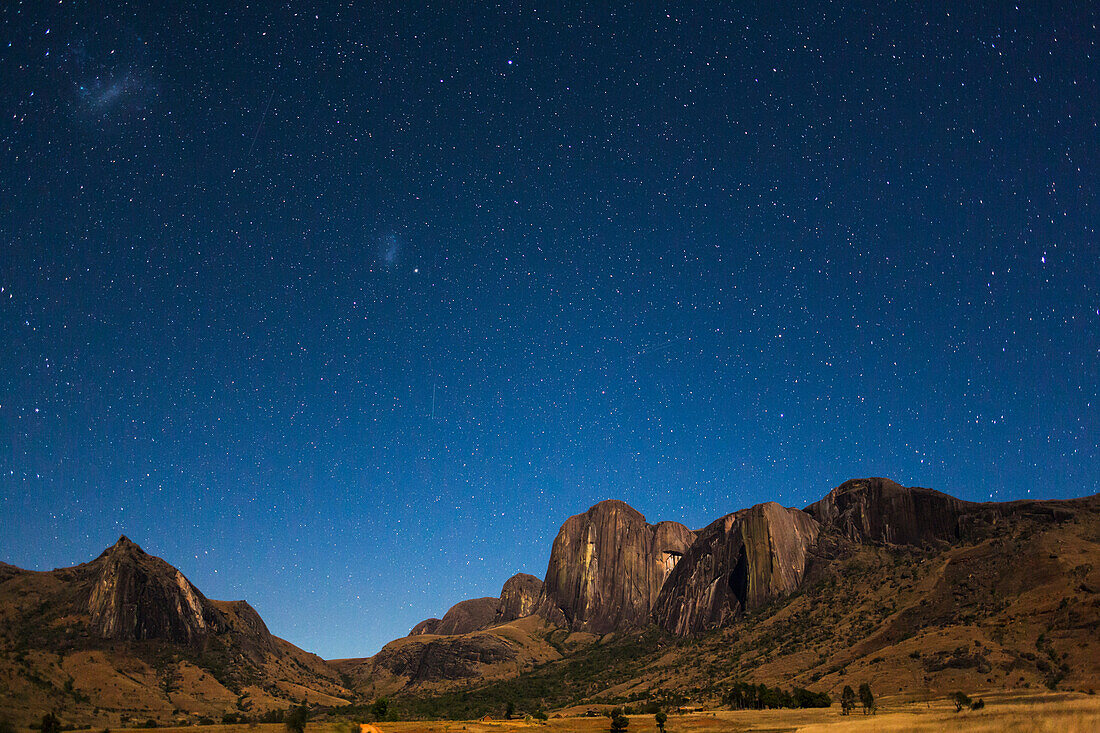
(880, 510)
(137, 596)
(518, 598)
(466, 616)
(607, 567)
(738, 563)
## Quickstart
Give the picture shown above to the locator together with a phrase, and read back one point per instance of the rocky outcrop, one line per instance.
(468, 616)
(135, 596)
(607, 566)
(427, 626)
(738, 563)
(250, 634)
(879, 510)
(115, 605)
(446, 658)
(518, 598)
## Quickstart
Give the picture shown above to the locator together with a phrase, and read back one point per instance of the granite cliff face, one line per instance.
(136, 596)
(518, 598)
(878, 510)
(738, 563)
(607, 566)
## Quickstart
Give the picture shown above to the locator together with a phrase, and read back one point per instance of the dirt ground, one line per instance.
(1056, 713)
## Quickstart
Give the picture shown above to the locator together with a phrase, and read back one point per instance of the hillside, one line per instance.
(126, 637)
(977, 597)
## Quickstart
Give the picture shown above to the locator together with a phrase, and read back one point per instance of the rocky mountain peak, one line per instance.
(607, 566)
(136, 596)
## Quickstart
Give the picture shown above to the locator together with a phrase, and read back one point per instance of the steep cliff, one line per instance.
(738, 563)
(879, 510)
(607, 566)
(518, 598)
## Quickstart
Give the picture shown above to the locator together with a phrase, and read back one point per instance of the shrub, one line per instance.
(295, 720)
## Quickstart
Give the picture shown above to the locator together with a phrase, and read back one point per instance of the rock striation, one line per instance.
(518, 598)
(736, 564)
(136, 596)
(878, 510)
(607, 567)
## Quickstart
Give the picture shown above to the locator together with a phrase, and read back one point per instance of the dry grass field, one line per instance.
(1057, 713)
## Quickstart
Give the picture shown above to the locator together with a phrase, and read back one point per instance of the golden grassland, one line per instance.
(1057, 713)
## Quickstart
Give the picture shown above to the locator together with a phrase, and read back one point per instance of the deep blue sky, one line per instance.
(344, 310)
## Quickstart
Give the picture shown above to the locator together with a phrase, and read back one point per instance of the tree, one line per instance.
(50, 723)
(379, 708)
(961, 700)
(509, 710)
(619, 722)
(168, 672)
(295, 720)
(867, 698)
(661, 718)
(847, 700)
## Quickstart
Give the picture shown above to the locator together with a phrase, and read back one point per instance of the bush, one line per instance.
(961, 700)
(977, 704)
(295, 720)
(619, 722)
(50, 723)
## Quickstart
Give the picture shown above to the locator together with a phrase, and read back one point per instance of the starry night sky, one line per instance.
(343, 310)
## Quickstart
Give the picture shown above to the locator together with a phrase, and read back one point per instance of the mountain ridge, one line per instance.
(132, 631)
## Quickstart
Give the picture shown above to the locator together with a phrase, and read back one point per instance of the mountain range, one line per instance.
(909, 588)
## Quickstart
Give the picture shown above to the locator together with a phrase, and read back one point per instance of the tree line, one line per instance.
(749, 696)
